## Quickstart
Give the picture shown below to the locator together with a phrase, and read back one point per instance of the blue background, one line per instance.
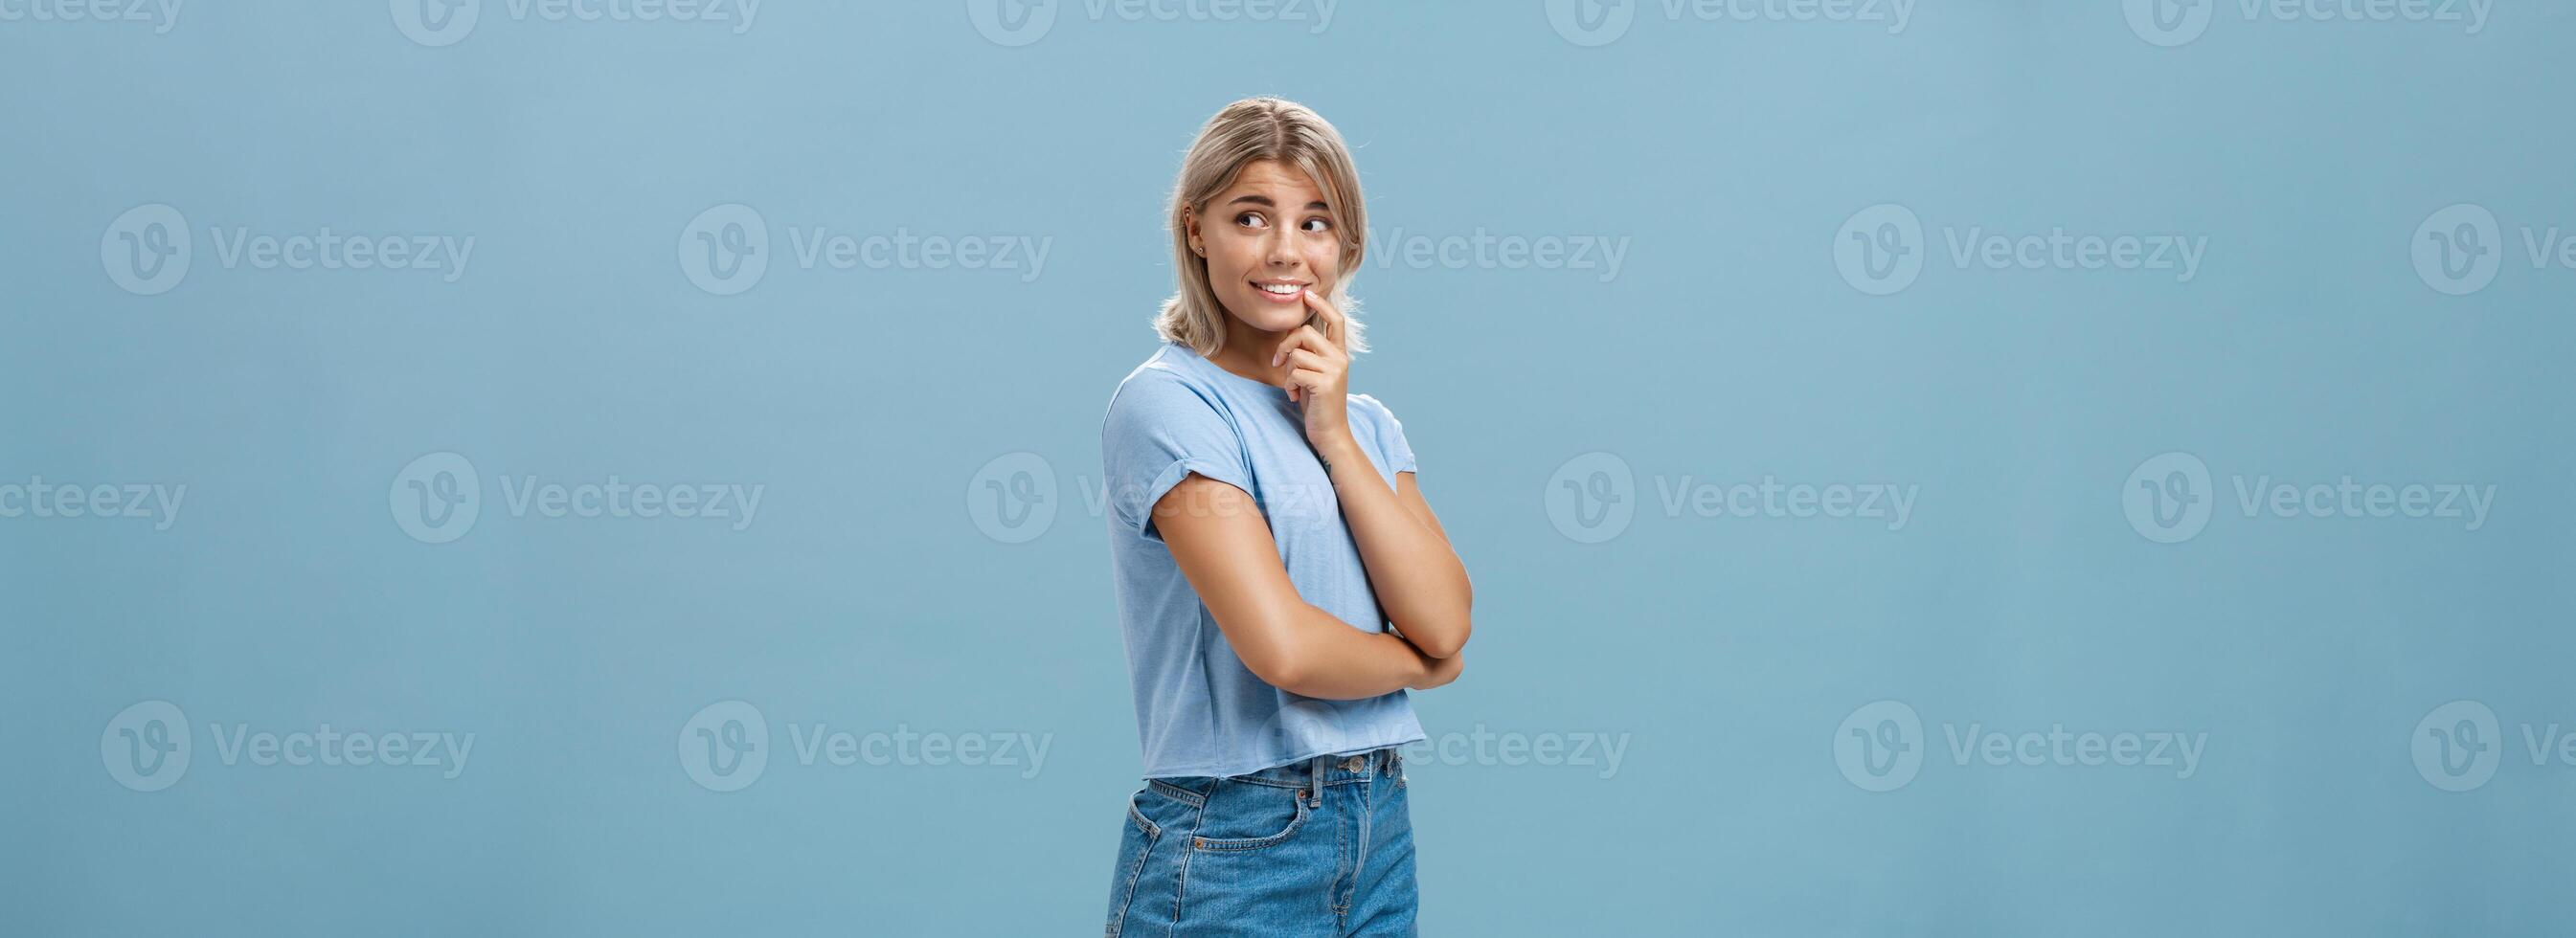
(869, 595)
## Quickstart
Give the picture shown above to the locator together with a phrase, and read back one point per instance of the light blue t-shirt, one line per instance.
(1199, 711)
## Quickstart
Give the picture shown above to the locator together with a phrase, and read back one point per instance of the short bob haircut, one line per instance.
(1245, 132)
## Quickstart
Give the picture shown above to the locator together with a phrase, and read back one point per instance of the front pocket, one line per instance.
(1249, 816)
(1144, 825)
(1135, 846)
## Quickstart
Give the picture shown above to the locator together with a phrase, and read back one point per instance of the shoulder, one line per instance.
(1159, 390)
(1161, 379)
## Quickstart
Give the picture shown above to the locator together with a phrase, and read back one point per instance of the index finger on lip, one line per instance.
(1328, 320)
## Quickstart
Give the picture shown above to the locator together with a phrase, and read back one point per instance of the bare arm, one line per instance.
(1418, 578)
(1417, 575)
(1223, 545)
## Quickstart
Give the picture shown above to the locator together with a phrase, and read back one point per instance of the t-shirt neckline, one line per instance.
(1222, 373)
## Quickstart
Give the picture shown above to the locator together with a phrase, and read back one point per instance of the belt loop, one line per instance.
(1316, 790)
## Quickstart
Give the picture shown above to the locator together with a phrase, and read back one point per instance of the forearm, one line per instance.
(1334, 661)
(1419, 580)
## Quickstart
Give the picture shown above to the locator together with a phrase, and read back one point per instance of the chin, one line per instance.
(1275, 322)
(1268, 317)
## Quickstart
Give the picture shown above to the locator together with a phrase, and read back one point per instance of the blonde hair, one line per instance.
(1246, 132)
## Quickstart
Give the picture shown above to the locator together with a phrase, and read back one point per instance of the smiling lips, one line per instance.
(1281, 292)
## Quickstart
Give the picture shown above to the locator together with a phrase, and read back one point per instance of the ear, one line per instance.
(1190, 224)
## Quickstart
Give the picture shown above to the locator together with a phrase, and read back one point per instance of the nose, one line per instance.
(1277, 251)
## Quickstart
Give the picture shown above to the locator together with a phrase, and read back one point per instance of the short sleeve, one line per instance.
(1390, 437)
(1159, 430)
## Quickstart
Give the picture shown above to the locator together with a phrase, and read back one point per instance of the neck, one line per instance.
(1247, 352)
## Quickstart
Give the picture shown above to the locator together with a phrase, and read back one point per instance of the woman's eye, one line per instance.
(1248, 220)
(1318, 224)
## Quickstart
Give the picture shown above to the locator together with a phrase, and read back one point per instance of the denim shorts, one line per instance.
(1319, 847)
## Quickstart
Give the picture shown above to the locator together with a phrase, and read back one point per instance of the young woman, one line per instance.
(1281, 581)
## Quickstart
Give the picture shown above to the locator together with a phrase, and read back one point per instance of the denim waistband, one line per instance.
(1311, 774)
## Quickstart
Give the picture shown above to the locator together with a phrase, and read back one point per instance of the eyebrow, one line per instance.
(1265, 200)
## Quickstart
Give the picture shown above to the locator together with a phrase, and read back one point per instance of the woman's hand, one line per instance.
(1319, 372)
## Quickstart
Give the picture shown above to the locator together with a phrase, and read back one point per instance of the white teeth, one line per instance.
(1282, 289)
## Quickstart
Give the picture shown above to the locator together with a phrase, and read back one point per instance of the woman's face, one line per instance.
(1268, 238)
